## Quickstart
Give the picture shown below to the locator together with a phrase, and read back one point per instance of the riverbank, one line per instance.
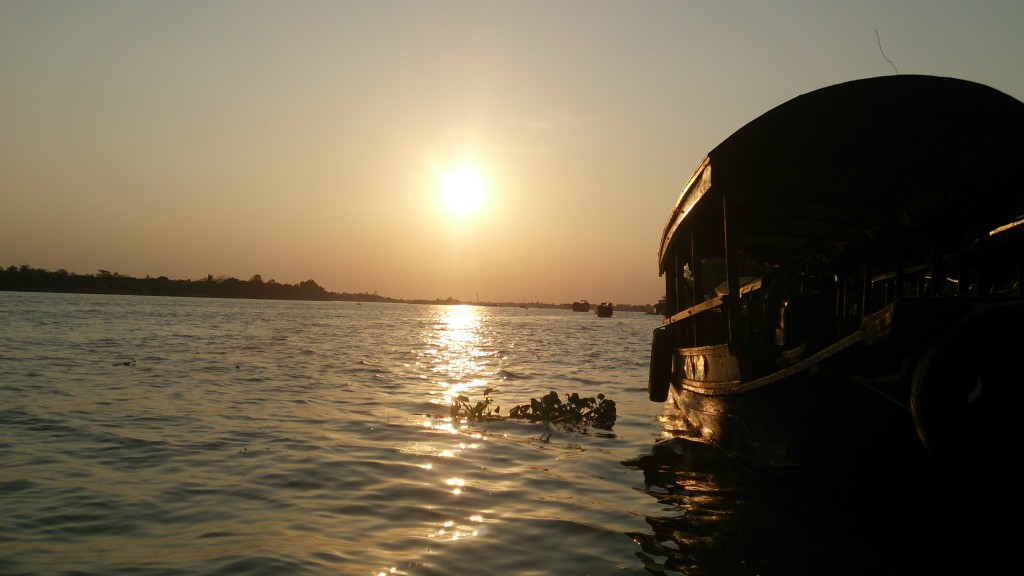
(28, 279)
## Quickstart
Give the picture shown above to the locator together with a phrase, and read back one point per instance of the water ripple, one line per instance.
(199, 436)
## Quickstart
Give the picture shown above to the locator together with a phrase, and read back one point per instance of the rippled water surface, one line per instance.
(145, 435)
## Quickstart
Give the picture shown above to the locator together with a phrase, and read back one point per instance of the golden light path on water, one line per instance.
(454, 355)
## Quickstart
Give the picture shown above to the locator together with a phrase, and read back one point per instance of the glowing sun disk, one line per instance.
(462, 190)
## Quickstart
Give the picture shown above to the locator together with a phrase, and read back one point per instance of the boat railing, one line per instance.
(714, 303)
(990, 265)
(706, 323)
(777, 312)
(770, 315)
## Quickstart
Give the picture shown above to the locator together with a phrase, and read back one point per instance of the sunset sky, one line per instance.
(313, 140)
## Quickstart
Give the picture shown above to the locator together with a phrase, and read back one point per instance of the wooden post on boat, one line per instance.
(732, 272)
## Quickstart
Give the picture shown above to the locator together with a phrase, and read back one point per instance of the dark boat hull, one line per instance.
(804, 423)
(907, 395)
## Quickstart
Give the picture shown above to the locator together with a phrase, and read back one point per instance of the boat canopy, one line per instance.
(909, 160)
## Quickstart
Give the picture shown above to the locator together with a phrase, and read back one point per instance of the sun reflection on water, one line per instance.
(457, 359)
(451, 530)
(456, 352)
(457, 484)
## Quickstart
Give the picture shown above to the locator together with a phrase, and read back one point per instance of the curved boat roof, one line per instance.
(894, 159)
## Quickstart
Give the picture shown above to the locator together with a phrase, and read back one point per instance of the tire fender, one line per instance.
(660, 376)
(968, 388)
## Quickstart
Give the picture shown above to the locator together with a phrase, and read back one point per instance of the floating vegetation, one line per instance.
(576, 412)
(462, 407)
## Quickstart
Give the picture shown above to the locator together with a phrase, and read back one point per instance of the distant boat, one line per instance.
(659, 308)
(581, 306)
(843, 283)
(604, 310)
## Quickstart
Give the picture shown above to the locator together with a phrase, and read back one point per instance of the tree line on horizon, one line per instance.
(25, 278)
(28, 279)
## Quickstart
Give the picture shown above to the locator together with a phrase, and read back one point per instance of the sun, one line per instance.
(462, 190)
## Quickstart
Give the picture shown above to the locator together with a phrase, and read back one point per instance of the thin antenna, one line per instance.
(879, 38)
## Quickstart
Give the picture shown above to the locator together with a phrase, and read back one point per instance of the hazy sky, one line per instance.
(307, 140)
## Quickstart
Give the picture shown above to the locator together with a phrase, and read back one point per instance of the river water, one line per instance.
(151, 435)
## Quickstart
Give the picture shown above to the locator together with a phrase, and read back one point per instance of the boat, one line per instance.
(658, 309)
(581, 306)
(843, 283)
(604, 310)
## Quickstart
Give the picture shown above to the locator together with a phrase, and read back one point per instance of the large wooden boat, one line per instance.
(843, 281)
(581, 306)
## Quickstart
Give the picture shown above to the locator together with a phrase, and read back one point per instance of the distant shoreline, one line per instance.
(28, 279)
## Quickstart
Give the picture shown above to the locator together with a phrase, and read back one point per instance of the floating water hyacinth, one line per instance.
(576, 412)
(463, 408)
